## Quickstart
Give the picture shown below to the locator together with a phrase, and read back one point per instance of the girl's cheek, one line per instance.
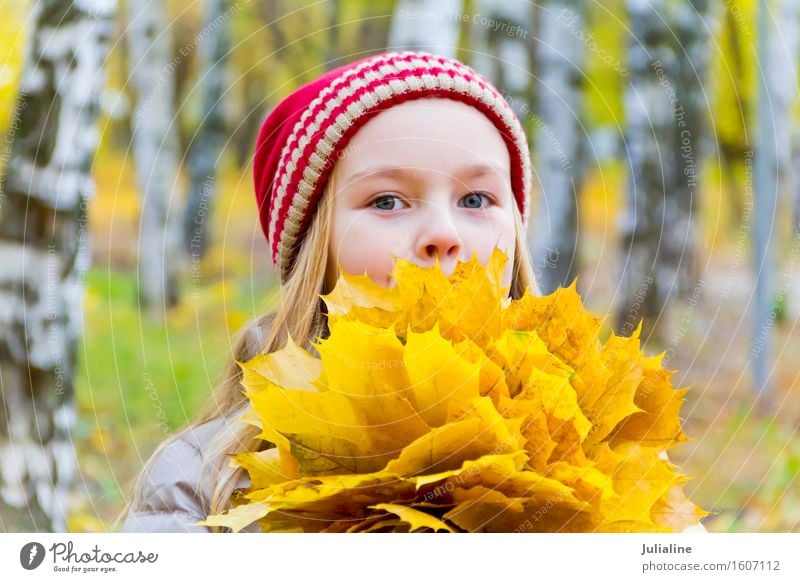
(402, 247)
(383, 278)
(380, 250)
(388, 265)
(379, 267)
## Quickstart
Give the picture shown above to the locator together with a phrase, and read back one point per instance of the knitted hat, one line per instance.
(305, 134)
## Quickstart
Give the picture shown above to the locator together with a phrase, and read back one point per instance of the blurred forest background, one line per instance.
(130, 251)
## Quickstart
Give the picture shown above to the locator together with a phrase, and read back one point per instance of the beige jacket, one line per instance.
(177, 491)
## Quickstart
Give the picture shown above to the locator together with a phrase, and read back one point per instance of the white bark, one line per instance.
(155, 146)
(428, 25)
(783, 47)
(664, 106)
(781, 72)
(501, 41)
(44, 254)
(206, 148)
(560, 141)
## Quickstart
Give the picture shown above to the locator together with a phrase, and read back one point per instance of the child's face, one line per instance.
(425, 178)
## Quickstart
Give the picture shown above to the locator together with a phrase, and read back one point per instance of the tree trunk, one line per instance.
(782, 76)
(44, 254)
(427, 25)
(663, 105)
(373, 33)
(155, 147)
(206, 149)
(501, 49)
(735, 148)
(560, 142)
(248, 114)
(334, 12)
(186, 38)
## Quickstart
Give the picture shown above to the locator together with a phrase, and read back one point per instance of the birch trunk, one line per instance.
(427, 25)
(663, 105)
(560, 142)
(781, 74)
(206, 149)
(782, 77)
(502, 49)
(155, 147)
(44, 254)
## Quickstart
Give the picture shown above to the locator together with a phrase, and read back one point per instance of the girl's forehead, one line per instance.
(423, 110)
(426, 131)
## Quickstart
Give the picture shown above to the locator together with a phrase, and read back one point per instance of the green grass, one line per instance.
(132, 365)
(139, 378)
(746, 470)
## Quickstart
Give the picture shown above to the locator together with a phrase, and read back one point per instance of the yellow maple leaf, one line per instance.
(441, 405)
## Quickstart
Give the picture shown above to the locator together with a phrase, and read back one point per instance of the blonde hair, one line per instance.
(302, 315)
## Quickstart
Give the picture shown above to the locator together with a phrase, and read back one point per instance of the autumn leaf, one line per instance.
(439, 404)
(416, 519)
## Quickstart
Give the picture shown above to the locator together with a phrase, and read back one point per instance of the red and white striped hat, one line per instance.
(304, 135)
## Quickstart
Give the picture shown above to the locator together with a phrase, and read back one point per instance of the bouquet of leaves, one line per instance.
(440, 404)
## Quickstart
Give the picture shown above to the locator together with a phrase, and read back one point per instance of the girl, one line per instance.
(404, 155)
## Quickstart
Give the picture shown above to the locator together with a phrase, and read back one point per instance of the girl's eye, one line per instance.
(386, 202)
(475, 199)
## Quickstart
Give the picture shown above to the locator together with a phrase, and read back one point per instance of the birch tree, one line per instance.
(155, 147)
(663, 107)
(777, 58)
(502, 49)
(206, 148)
(549, 105)
(560, 141)
(782, 77)
(44, 254)
(781, 74)
(428, 25)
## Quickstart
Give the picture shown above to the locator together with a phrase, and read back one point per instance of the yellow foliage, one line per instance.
(14, 28)
(442, 405)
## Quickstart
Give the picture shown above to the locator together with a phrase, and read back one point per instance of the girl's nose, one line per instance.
(441, 238)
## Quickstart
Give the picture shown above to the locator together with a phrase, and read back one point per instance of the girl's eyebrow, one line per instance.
(397, 173)
(385, 172)
(478, 170)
